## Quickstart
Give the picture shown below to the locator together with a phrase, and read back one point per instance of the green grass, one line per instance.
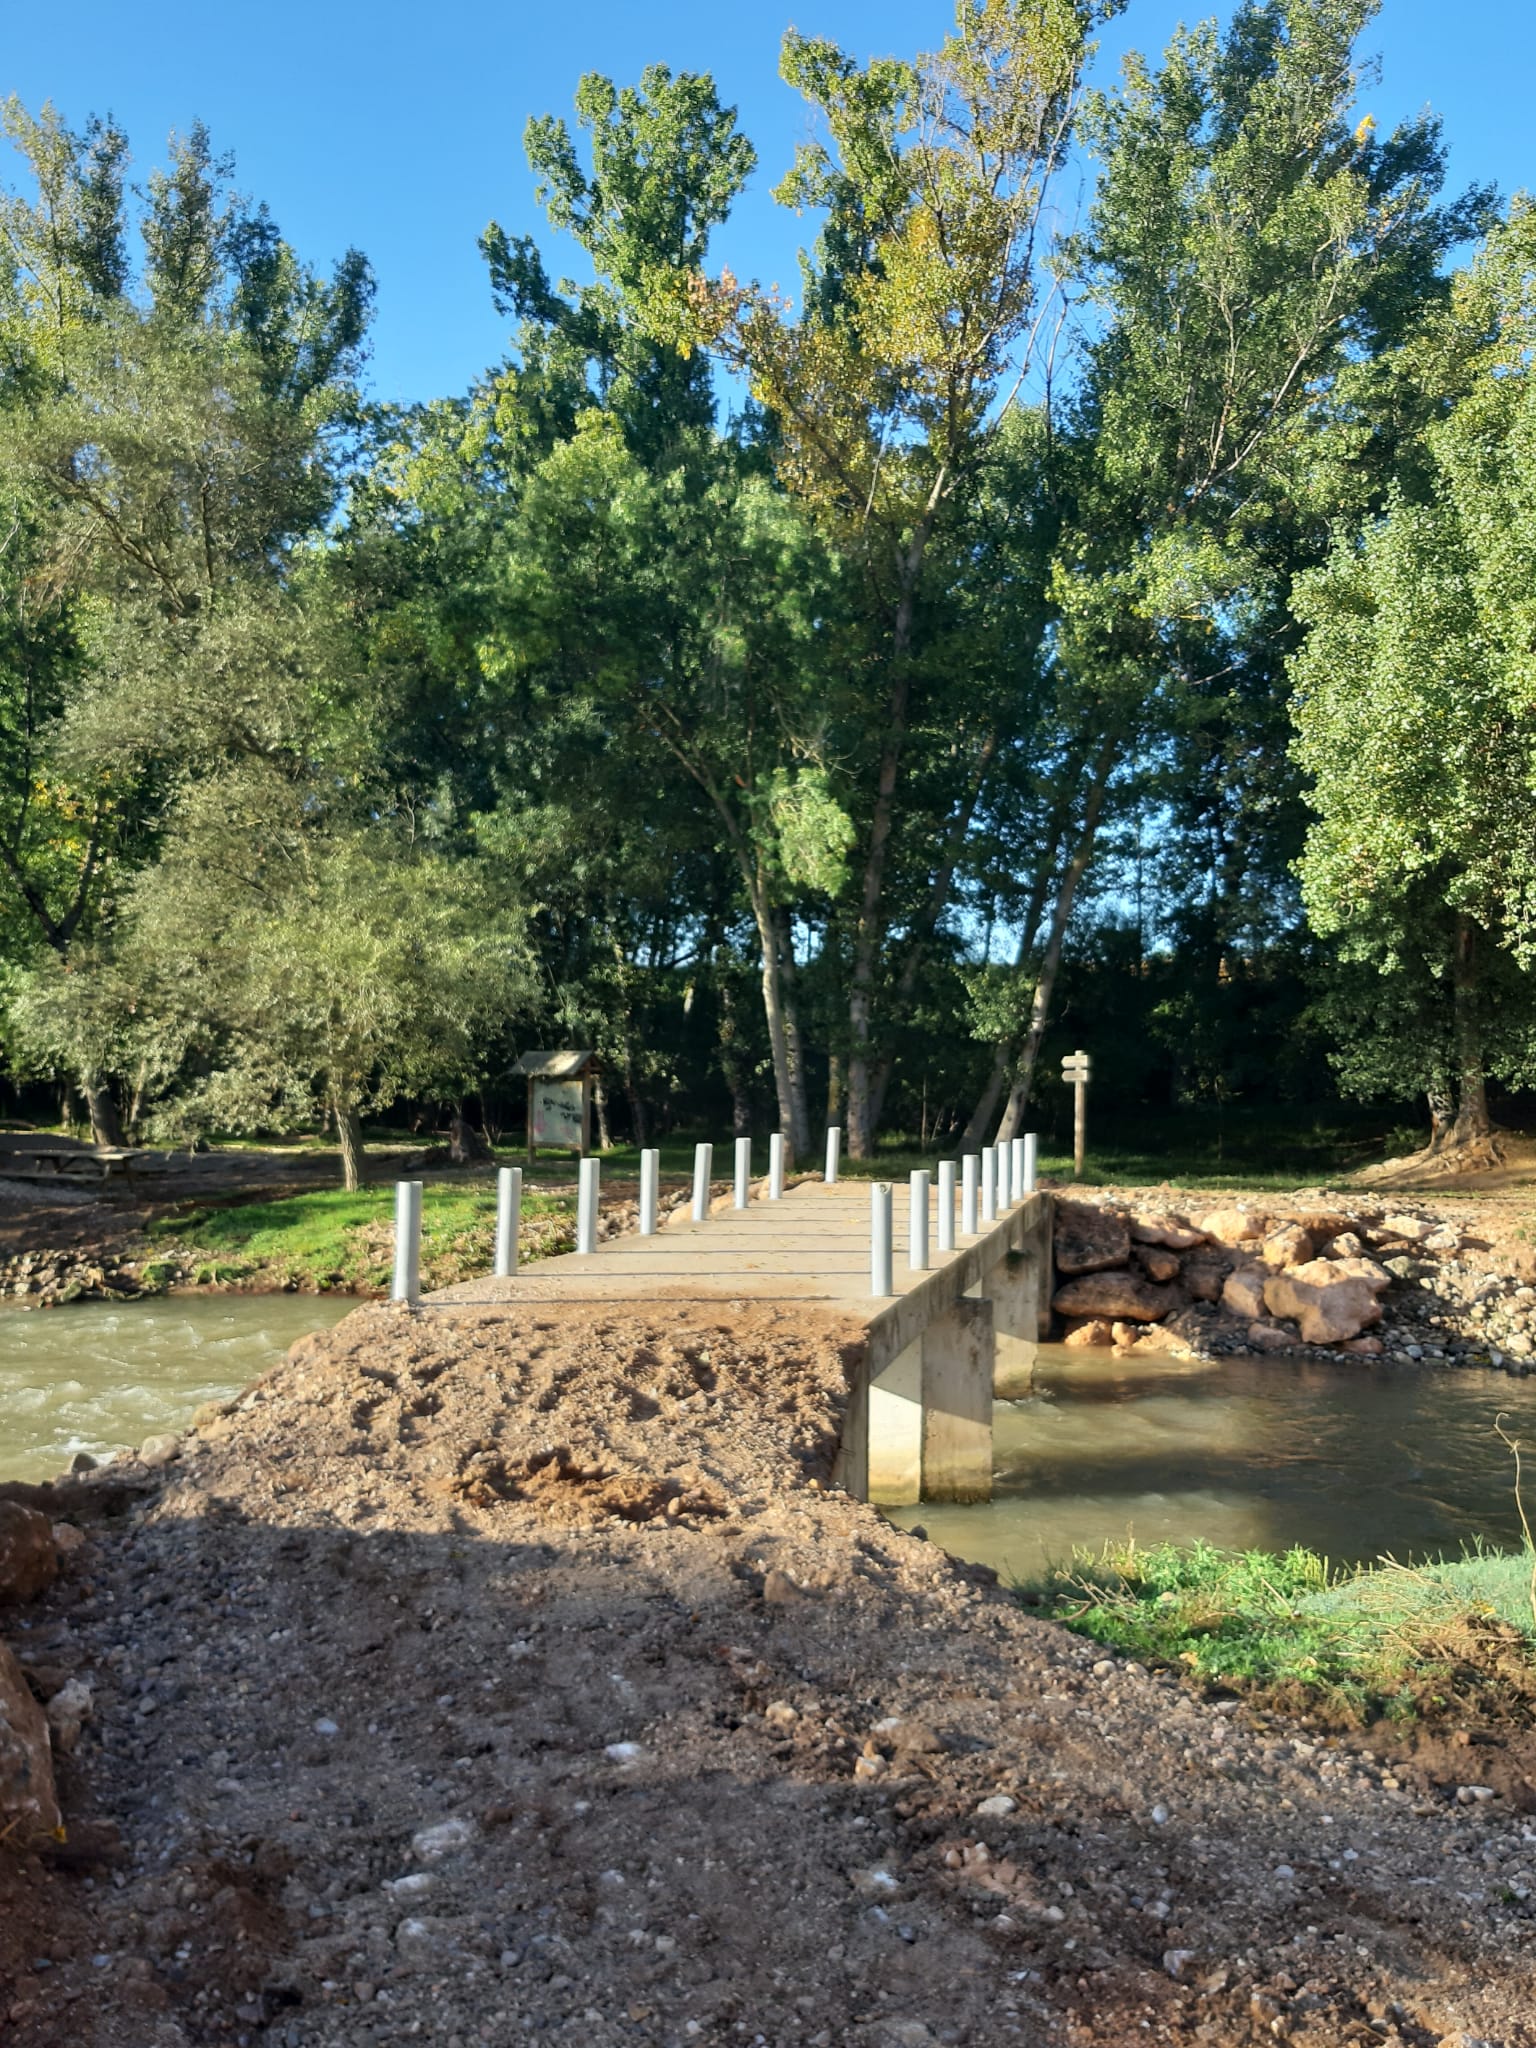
(1391, 1641)
(332, 1239)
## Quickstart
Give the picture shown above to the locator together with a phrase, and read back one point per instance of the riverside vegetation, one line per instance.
(825, 706)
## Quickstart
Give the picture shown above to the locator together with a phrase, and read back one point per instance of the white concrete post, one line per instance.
(971, 1168)
(1004, 1177)
(586, 1205)
(989, 1183)
(703, 1168)
(407, 1285)
(1031, 1159)
(650, 1191)
(946, 1205)
(743, 1172)
(881, 1280)
(834, 1147)
(1016, 1147)
(776, 1167)
(509, 1215)
(917, 1223)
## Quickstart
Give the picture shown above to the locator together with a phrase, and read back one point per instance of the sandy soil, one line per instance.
(478, 1681)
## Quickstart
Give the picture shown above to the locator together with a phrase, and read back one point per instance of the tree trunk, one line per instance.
(68, 1109)
(1442, 1114)
(106, 1123)
(1472, 1119)
(600, 1104)
(836, 1086)
(636, 1106)
(349, 1133)
(975, 1132)
(1045, 982)
(783, 1025)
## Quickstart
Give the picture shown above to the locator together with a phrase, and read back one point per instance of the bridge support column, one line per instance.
(958, 1366)
(894, 1473)
(1013, 1288)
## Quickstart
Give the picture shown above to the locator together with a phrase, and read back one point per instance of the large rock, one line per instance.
(1089, 1240)
(29, 1806)
(1157, 1263)
(1205, 1274)
(1290, 1245)
(1412, 1229)
(1242, 1293)
(29, 1557)
(1172, 1232)
(1121, 1296)
(1234, 1227)
(1377, 1278)
(1094, 1333)
(1329, 1304)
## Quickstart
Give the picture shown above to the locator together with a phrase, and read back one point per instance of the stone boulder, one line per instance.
(1156, 1263)
(1411, 1229)
(1121, 1296)
(1205, 1274)
(1270, 1337)
(1346, 1246)
(29, 1806)
(1331, 1306)
(1233, 1227)
(1242, 1292)
(1377, 1278)
(1092, 1334)
(1133, 1338)
(1089, 1240)
(1172, 1232)
(1290, 1245)
(29, 1557)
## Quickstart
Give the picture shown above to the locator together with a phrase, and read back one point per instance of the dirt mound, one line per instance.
(486, 1676)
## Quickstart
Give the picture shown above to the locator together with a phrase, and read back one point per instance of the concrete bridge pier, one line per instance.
(919, 1423)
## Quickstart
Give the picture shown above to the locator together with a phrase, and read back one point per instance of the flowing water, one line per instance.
(102, 1376)
(1355, 1461)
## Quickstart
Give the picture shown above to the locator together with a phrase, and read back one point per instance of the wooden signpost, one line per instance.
(1074, 1068)
(559, 1101)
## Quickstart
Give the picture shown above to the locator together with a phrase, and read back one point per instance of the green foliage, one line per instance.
(1388, 1641)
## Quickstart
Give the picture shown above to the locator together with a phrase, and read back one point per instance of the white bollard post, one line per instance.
(1031, 1160)
(703, 1168)
(881, 1279)
(917, 1223)
(971, 1180)
(1004, 1177)
(834, 1148)
(743, 1172)
(989, 1183)
(946, 1205)
(407, 1285)
(650, 1191)
(586, 1206)
(509, 1215)
(776, 1167)
(1016, 1147)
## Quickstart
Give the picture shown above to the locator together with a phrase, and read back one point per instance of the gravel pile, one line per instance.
(488, 1680)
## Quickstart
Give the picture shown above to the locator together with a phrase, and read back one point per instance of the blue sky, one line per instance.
(398, 128)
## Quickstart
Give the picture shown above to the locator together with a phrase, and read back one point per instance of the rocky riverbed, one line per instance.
(484, 1680)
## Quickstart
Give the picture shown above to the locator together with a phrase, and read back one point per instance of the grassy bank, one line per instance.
(329, 1239)
(1355, 1646)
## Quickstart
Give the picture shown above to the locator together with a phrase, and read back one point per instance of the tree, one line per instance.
(922, 311)
(1415, 716)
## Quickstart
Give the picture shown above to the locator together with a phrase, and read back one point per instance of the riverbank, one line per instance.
(482, 1679)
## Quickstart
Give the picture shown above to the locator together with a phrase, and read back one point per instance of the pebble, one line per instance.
(326, 1727)
(1000, 1803)
(623, 1752)
(444, 1838)
(1159, 1814)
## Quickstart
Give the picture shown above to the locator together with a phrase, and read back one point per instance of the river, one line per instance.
(1351, 1460)
(1354, 1461)
(102, 1376)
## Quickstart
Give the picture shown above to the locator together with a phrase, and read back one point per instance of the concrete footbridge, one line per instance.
(953, 1294)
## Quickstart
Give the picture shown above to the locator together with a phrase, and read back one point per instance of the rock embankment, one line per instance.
(482, 1677)
(1313, 1273)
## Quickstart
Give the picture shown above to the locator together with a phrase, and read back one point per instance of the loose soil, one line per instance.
(480, 1678)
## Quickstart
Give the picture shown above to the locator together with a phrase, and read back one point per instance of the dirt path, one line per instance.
(482, 1683)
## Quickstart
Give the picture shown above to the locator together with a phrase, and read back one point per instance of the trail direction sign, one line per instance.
(1074, 1070)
